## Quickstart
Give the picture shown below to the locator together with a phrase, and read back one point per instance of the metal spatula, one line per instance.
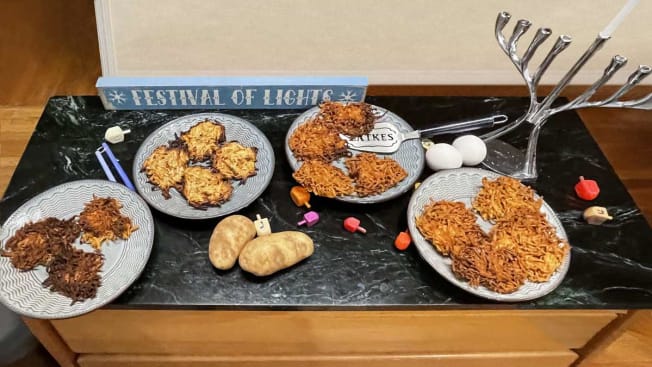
(386, 138)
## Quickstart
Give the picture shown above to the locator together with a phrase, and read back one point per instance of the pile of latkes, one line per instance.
(318, 144)
(200, 165)
(521, 246)
(72, 272)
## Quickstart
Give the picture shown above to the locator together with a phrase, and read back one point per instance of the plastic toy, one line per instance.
(352, 225)
(309, 219)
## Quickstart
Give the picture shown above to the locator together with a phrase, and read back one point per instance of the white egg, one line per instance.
(443, 156)
(472, 148)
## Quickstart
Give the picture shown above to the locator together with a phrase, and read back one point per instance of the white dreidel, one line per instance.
(115, 134)
(262, 226)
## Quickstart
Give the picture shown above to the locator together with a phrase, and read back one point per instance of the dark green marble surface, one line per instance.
(611, 264)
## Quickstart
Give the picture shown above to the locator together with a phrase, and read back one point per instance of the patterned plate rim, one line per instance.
(201, 214)
(130, 280)
(423, 245)
(351, 198)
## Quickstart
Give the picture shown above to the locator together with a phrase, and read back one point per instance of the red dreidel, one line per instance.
(352, 225)
(309, 219)
(403, 241)
(587, 189)
(300, 196)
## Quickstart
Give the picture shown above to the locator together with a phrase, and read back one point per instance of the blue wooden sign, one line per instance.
(151, 93)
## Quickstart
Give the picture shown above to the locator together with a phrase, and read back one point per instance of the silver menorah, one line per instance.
(505, 158)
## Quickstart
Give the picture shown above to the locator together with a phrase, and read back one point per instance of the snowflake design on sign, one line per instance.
(349, 96)
(117, 97)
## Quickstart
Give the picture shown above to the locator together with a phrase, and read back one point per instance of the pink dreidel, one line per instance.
(309, 219)
(352, 225)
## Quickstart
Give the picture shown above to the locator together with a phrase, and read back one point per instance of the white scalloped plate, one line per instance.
(463, 185)
(243, 194)
(124, 260)
(410, 156)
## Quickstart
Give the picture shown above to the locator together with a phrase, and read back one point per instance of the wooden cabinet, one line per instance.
(329, 338)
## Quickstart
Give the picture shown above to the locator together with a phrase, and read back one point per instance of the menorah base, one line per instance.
(508, 160)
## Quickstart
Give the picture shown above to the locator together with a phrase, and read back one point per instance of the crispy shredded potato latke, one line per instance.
(352, 119)
(536, 242)
(522, 245)
(449, 226)
(235, 161)
(314, 141)
(323, 179)
(502, 197)
(164, 168)
(374, 175)
(101, 221)
(203, 138)
(204, 187)
(38, 243)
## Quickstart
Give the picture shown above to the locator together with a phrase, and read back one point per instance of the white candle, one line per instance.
(615, 22)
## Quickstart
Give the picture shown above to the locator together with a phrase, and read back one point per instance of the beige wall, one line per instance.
(390, 41)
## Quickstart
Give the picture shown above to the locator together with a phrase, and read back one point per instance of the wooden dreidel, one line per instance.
(309, 219)
(352, 225)
(587, 189)
(403, 241)
(300, 196)
(262, 226)
(596, 215)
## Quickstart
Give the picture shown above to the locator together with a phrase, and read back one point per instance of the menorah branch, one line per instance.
(522, 164)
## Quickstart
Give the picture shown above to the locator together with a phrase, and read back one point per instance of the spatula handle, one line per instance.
(458, 127)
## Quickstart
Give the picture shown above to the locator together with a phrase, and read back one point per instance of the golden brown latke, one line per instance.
(502, 197)
(235, 161)
(534, 239)
(203, 139)
(164, 168)
(449, 226)
(352, 119)
(314, 141)
(323, 179)
(101, 220)
(374, 175)
(204, 187)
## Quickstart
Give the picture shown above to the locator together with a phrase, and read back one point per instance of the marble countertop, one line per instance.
(611, 265)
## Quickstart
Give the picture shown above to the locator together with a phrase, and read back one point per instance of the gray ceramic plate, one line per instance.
(410, 156)
(243, 194)
(463, 185)
(23, 293)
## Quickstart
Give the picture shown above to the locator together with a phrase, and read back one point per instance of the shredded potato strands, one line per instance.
(521, 246)
(503, 197)
(450, 226)
(318, 140)
(323, 179)
(374, 175)
(314, 141)
(101, 220)
(72, 272)
(352, 119)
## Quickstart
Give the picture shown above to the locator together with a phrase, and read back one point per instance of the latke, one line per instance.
(204, 187)
(235, 161)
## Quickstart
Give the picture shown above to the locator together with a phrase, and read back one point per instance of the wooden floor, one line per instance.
(49, 47)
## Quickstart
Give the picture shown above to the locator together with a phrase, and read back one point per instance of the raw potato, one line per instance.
(269, 254)
(229, 237)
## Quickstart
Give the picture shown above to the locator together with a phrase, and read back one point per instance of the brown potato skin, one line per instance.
(266, 255)
(228, 239)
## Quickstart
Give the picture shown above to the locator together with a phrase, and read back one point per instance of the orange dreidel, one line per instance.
(403, 241)
(300, 196)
